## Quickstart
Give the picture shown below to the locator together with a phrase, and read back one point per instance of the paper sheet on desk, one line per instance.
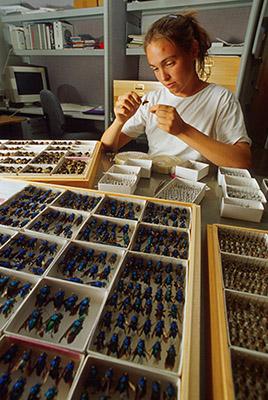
(76, 107)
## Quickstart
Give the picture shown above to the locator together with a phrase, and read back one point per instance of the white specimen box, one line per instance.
(238, 172)
(50, 352)
(246, 210)
(118, 183)
(178, 342)
(135, 372)
(56, 270)
(238, 181)
(171, 191)
(146, 166)
(136, 202)
(125, 169)
(18, 327)
(265, 187)
(245, 193)
(192, 170)
(18, 300)
(28, 234)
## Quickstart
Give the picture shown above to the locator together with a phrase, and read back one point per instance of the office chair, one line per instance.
(55, 119)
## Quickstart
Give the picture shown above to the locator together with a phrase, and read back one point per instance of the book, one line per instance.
(17, 37)
(63, 30)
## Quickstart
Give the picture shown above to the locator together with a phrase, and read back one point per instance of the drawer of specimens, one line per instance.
(103, 378)
(36, 371)
(107, 276)
(242, 271)
(42, 158)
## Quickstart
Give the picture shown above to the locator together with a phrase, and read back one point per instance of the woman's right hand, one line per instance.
(126, 106)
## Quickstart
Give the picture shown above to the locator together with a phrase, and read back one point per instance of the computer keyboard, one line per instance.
(75, 107)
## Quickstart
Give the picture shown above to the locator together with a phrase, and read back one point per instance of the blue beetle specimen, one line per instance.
(168, 295)
(159, 328)
(58, 299)
(3, 281)
(113, 300)
(133, 324)
(105, 273)
(24, 362)
(156, 350)
(170, 392)
(51, 324)
(17, 389)
(107, 380)
(179, 295)
(42, 297)
(141, 388)
(125, 304)
(137, 306)
(148, 306)
(113, 345)
(51, 393)
(156, 391)
(170, 358)
(70, 302)
(83, 306)
(140, 350)
(159, 294)
(107, 319)
(33, 321)
(10, 354)
(124, 384)
(173, 331)
(160, 311)
(93, 379)
(25, 289)
(73, 330)
(4, 382)
(12, 288)
(68, 372)
(100, 339)
(54, 368)
(35, 392)
(40, 365)
(120, 322)
(146, 328)
(125, 347)
(173, 311)
(7, 306)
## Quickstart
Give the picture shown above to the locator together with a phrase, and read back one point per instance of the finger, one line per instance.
(153, 109)
(136, 97)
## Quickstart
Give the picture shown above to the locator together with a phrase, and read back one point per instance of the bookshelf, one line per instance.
(230, 19)
(107, 20)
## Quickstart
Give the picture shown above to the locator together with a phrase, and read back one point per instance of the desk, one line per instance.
(34, 110)
(10, 127)
(10, 120)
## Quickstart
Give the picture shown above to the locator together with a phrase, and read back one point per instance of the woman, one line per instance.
(188, 117)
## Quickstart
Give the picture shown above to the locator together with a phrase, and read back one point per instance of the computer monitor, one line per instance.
(24, 83)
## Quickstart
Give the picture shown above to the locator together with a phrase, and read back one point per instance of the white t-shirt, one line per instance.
(214, 111)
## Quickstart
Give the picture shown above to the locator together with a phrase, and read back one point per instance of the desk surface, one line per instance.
(34, 110)
(10, 120)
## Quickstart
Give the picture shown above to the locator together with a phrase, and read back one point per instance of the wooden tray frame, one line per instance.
(221, 367)
(86, 181)
(190, 376)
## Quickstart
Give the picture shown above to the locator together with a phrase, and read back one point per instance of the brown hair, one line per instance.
(182, 29)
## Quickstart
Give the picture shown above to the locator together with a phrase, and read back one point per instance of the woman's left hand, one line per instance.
(168, 119)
